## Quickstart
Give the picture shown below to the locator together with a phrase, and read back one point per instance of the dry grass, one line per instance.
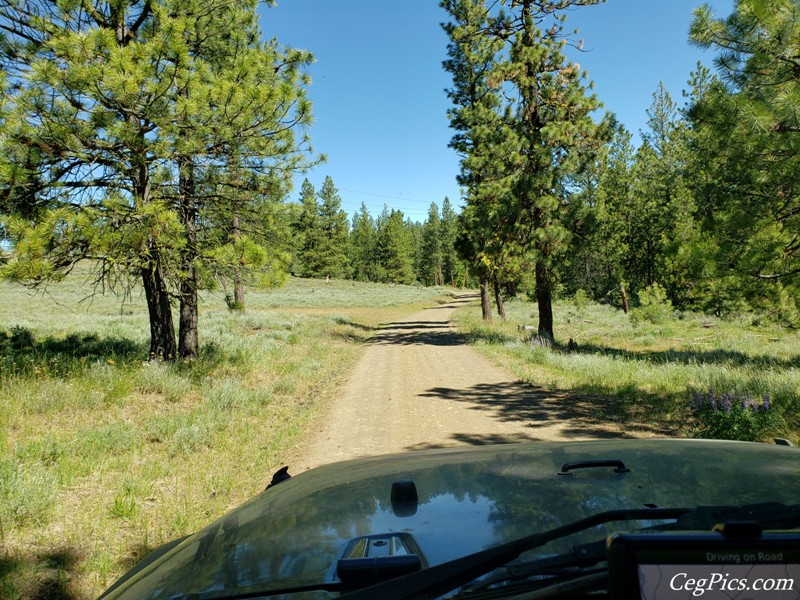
(104, 456)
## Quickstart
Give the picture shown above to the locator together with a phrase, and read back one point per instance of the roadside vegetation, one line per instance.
(105, 455)
(685, 374)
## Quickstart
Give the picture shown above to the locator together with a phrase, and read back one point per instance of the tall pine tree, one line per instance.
(121, 117)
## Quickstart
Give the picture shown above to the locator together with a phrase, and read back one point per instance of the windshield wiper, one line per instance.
(569, 565)
(260, 593)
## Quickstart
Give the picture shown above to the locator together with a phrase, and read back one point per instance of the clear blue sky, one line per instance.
(378, 85)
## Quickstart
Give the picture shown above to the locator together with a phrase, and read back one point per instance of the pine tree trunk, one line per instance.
(162, 331)
(498, 298)
(486, 301)
(188, 341)
(544, 301)
(238, 284)
(156, 293)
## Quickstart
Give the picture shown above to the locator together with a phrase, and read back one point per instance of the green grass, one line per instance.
(104, 456)
(643, 376)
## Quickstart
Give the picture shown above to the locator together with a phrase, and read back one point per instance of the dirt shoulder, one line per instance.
(418, 385)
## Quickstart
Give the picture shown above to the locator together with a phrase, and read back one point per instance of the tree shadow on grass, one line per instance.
(21, 348)
(577, 414)
(43, 576)
(730, 358)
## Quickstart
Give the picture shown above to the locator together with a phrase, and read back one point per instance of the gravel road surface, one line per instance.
(418, 386)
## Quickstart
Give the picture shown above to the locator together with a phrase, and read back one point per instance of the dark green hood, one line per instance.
(468, 499)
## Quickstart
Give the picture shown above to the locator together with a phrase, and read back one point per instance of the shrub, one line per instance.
(732, 416)
(581, 299)
(654, 306)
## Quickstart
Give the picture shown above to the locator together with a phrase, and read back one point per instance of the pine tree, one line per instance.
(553, 126)
(481, 133)
(308, 230)
(521, 147)
(361, 246)
(432, 266)
(332, 237)
(121, 115)
(748, 122)
(663, 208)
(449, 228)
(395, 248)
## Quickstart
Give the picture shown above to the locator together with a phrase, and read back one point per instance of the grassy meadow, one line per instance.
(648, 377)
(104, 456)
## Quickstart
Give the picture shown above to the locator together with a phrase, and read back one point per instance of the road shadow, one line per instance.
(407, 334)
(475, 439)
(578, 414)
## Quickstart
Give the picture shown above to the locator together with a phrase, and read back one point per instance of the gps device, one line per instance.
(740, 563)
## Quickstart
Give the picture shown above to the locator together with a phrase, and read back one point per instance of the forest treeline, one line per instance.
(156, 141)
(386, 248)
(703, 215)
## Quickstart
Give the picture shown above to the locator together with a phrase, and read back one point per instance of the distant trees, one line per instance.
(432, 263)
(387, 248)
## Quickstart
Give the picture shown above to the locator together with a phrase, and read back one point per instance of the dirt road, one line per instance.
(418, 386)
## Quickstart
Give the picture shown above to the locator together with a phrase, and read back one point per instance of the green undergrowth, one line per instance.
(644, 376)
(104, 456)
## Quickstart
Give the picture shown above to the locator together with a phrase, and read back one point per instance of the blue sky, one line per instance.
(378, 85)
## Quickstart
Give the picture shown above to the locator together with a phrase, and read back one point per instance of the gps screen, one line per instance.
(708, 566)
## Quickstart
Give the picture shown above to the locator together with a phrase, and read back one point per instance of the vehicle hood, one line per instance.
(469, 499)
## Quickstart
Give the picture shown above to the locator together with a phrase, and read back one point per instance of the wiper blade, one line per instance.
(562, 567)
(442, 578)
(770, 515)
(571, 564)
(260, 593)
